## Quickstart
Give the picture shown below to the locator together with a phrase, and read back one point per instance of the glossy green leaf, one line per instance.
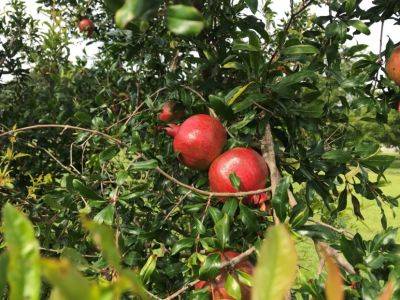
(360, 26)
(185, 20)
(230, 207)
(248, 218)
(222, 230)
(280, 200)
(235, 180)
(210, 267)
(244, 278)
(277, 265)
(252, 4)
(236, 93)
(84, 191)
(185, 243)
(232, 287)
(23, 272)
(149, 267)
(338, 156)
(134, 9)
(300, 49)
(145, 165)
(215, 214)
(103, 237)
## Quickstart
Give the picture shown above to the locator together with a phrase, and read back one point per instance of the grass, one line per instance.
(308, 258)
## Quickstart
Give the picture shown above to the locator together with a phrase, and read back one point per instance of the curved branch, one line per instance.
(121, 143)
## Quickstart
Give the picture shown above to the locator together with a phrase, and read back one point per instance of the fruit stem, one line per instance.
(172, 129)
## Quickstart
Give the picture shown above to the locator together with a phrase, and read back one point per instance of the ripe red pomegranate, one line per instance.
(171, 111)
(86, 25)
(198, 140)
(248, 165)
(393, 66)
(217, 286)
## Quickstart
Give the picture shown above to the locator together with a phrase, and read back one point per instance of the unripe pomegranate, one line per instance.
(86, 25)
(393, 66)
(249, 167)
(217, 286)
(198, 140)
(171, 111)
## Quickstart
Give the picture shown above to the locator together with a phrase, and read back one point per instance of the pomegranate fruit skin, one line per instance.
(246, 163)
(199, 140)
(171, 112)
(217, 286)
(86, 25)
(393, 66)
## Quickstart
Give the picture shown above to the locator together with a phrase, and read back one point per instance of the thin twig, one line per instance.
(121, 143)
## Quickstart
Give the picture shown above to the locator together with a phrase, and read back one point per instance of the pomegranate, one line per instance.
(217, 286)
(86, 25)
(393, 66)
(249, 167)
(198, 140)
(171, 111)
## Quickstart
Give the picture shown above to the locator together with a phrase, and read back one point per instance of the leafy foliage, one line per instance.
(109, 223)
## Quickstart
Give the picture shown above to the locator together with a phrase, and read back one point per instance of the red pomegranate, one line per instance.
(248, 165)
(86, 25)
(171, 111)
(217, 286)
(198, 140)
(393, 66)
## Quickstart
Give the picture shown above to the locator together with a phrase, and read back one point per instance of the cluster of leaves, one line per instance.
(229, 56)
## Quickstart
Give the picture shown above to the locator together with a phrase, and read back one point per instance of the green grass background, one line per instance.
(308, 259)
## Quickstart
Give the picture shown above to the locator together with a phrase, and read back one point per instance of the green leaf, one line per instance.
(222, 229)
(299, 215)
(185, 243)
(145, 165)
(70, 284)
(360, 26)
(338, 156)
(23, 253)
(220, 107)
(244, 278)
(232, 287)
(75, 258)
(134, 9)
(3, 273)
(300, 49)
(215, 214)
(248, 218)
(277, 265)
(185, 20)
(280, 200)
(130, 281)
(234, 94)
(252, 4)
(314, 109)
(210, 268)
(84, 191)
(235, 180)
(244, 46)
(230, 207)
(148, 268)
(379, 163)
(106, 215)
(356, 207)
(342, 202)
(103, 237)
(233, 65)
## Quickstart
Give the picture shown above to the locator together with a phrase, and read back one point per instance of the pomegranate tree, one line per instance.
(198, 140)
(244, 163)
